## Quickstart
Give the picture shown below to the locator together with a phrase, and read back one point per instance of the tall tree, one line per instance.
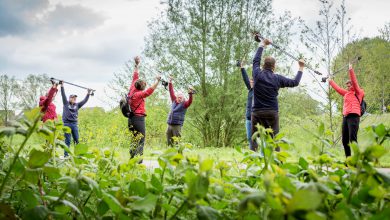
(198, 41)
(8, 88)
(30, 89)
(385, 32)
(329, 36)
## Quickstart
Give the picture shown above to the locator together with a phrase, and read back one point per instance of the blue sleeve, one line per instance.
(64, 100)
(245, 78)
(286, 82)
(80, 104)
(256, 62)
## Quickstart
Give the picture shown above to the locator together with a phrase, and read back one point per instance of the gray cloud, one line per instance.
(73, 17)
(19, 16)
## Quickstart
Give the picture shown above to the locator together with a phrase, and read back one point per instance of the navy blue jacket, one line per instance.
(177, 114)
(250, 94)
(267, 84)
(70, 112)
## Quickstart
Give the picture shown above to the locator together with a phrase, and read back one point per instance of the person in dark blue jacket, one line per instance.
(249, 85)
(177, 114)
(265, 109)
(70, 115)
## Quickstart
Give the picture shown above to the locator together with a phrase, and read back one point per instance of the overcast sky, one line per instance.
(85, 41)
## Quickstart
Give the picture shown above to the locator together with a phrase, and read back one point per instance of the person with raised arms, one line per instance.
(177, 114)
(265, 109)
(46, 103)
(249, 85)
(70, 115)
(353, 96)
(136, 99)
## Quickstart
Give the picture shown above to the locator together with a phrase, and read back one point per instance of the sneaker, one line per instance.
(62, 157)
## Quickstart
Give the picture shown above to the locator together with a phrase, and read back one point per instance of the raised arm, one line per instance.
(46, 102)
(354, 81)
(85, 100)
(189, 101)
(171, 91)
(137, 61)
(245, 78)
(338, 89)
(286, 82)
(151, 89)
(257, 58)
(256, 61)
(64, 99)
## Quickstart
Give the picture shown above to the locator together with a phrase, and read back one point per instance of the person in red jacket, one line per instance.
(137, 95)
(46, 103)
(353, 96)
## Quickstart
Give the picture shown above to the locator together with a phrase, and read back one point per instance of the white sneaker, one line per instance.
(62, 158)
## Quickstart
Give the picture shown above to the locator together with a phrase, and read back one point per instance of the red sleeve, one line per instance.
(355, 83)
(171, 92)
(337, 88)
(135, 78)
(188, 102)
(46, 102)
(146, 92)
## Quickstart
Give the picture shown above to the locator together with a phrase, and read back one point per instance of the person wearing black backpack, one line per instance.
(136, 100)
(353, 108)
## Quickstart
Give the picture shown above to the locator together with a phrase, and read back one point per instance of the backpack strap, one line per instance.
(358, 98)
(360, 102)
(129, 97)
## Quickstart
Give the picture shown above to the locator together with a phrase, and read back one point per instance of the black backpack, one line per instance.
(363, 106)
(125, 106)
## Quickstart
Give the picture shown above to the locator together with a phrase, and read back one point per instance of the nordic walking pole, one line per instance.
(357, 59)
(93, 90)
(258, 36)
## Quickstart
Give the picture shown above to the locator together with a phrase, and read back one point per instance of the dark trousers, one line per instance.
(349, 131)
(68, 136)
(137, 127)
(173, 131)
(268, 119)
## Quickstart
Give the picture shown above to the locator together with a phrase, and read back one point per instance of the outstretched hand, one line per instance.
(89, 91)
(350, 66)
(137, 61)
(266, 42)
(242, 64)
(301, 63)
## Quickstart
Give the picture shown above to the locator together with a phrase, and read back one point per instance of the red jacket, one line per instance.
(351, 103)
(137, 97)
(47, 105)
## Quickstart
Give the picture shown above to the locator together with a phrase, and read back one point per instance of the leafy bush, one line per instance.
(92, 183)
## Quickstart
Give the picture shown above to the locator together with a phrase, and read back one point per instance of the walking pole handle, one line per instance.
(259, 36)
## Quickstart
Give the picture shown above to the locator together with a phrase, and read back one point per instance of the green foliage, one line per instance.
(93, 183)
(195, 41)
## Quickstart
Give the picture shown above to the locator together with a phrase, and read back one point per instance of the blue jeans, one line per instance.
(248, 126)
(75, 134)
